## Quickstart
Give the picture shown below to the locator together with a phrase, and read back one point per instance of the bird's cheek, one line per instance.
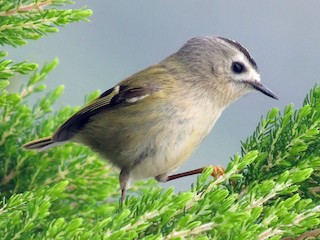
(219, 70)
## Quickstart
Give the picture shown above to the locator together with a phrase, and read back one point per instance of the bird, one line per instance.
(150, 123)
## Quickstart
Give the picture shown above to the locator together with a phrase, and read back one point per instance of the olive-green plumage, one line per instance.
(151, 122)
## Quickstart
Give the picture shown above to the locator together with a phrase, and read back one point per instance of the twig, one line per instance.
(307, 235)
(27, 8)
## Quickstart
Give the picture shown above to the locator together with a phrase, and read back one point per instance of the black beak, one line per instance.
(260, 87)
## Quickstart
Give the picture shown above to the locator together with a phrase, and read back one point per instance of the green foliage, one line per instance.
(21, 20)
(270, 191)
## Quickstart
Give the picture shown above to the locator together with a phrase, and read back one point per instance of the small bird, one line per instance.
(149, 124)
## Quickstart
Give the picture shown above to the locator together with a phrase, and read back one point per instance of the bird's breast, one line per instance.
(153, 141)
(173, 145)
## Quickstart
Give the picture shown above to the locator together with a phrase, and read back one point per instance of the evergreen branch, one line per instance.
(19, 23)
(190, 232)
(8, 68)
(313, 234)
(38, 6)
(281, 228)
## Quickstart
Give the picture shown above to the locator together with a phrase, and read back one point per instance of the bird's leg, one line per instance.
(217, 172)
(124, 182)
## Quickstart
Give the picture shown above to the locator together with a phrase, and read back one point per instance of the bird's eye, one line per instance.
(238, 67)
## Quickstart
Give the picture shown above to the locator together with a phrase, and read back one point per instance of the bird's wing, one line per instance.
(117, 96)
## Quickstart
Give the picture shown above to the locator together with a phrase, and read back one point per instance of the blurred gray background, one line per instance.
(124, 37)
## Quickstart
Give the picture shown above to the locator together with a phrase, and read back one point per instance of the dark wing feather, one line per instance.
(110, 98)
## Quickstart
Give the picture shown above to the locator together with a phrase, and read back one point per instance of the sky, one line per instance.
(124, 37)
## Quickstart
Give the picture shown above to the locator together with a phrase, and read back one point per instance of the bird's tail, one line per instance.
(41, 144)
